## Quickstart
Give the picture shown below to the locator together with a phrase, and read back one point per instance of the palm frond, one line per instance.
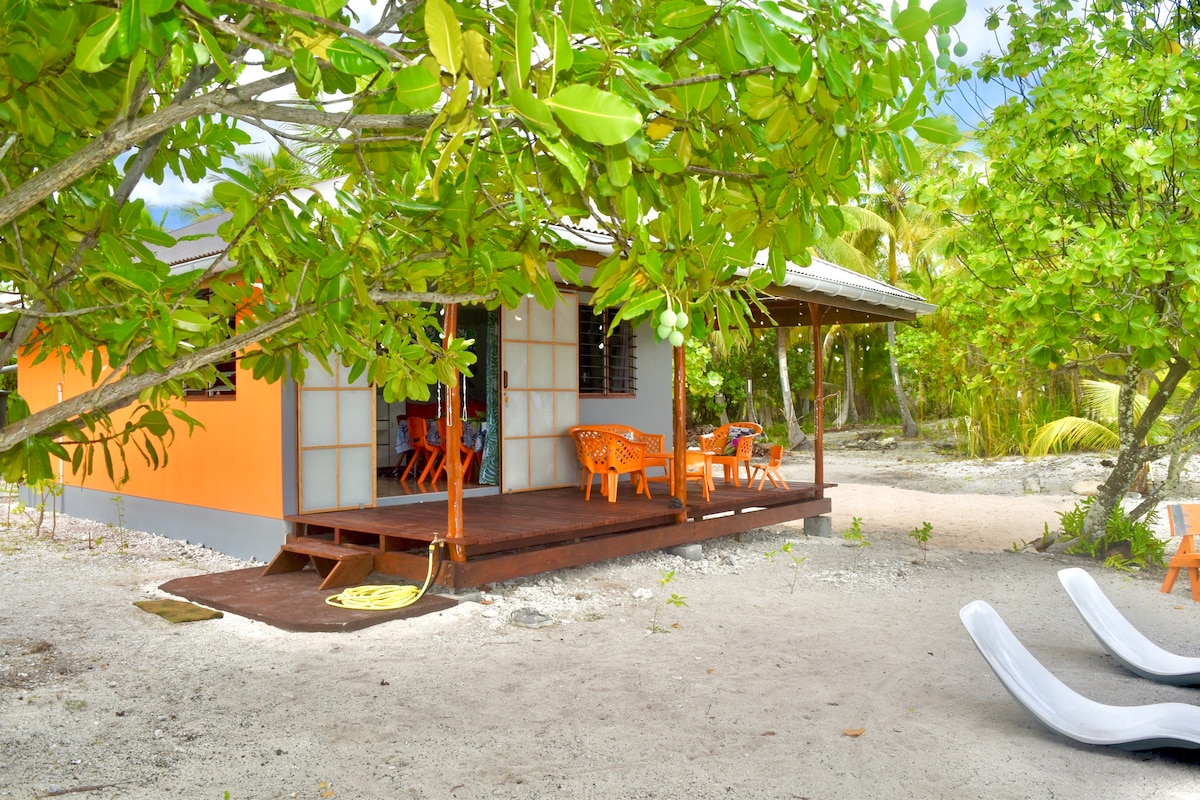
(1072, 433)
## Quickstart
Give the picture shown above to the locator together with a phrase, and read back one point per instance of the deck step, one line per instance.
(337, 564)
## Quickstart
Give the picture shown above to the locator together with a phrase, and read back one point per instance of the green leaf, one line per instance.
(129, 28)
(216, 53)
(779, 49)
(913, 23)
(200, 7)
(683, 15)
(445, 35)
(89, 55)
(909, 155)
(533, 111)
(478, 58)
(187, 320)
(747, 38)
(939, 130)
(416, 88)
(524, 40)
(563, 56)
(594, 114)
(352, 57)
(697, 96)
(578, 15)
(945, 13)
(570, 158)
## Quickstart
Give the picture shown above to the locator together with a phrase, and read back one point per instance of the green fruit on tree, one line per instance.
(664, 331)
(681, 320)
(667, 318)
(676, 338)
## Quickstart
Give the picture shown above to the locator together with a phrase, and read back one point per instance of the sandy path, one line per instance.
(748, 695)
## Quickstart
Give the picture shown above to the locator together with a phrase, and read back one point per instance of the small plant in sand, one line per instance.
(674, 600)
(117, 528)
(922, 535)
(796, 561)
(36, 513)
(854, 538)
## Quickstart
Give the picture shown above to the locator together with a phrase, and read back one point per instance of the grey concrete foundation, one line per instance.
(692, 552)
(818, 526)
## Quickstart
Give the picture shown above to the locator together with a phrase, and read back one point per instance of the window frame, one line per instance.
(599, 347)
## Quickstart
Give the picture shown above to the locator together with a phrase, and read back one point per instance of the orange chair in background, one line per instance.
(417, 434)
(769, 470)
(1185, 523)
(716, 441)
(610, 455)
(466, 454)
(698, 467)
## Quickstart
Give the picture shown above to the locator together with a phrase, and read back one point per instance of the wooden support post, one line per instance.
(818, 398)
(679, 418)
(453, 445)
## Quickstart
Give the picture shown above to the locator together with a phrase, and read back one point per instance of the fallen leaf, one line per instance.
(322, 785)
(1179, 607)
(767, 733)
(854, 732)
(328, 793)
(711, 670)
(486, 602)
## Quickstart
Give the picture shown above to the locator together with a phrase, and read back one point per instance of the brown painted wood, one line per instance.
(513, 535)
(819, 398)
(453, 445)
(338, 565)
(679, 420)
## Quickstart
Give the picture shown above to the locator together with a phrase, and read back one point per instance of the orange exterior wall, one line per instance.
(233, 463)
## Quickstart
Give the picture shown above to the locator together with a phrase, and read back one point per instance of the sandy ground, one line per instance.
(825, 672)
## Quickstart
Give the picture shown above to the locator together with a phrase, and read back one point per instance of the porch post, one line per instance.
(453, 445)
(679, 418)
(819, 398)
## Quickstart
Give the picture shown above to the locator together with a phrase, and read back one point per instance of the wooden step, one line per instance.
(337, 564)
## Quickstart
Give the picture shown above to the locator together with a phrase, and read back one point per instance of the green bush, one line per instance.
(1126, 543)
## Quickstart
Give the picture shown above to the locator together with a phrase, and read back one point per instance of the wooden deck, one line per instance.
(512, 535)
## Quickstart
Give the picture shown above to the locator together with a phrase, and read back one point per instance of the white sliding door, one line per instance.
(540, 395)
(337, 441)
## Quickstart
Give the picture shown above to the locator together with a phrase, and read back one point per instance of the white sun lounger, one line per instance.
(1120, 638)
(1064, 710)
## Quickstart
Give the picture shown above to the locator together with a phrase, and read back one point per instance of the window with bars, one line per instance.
(607, 355)
(225, 382)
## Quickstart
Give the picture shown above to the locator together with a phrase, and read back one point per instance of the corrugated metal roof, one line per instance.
(207, 245)
(820, 277)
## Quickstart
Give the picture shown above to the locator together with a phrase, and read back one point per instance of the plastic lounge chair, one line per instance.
(1065, 711)
(1120, 638)
(1185, 523)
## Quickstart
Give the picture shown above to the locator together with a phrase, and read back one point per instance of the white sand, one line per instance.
(748, 694)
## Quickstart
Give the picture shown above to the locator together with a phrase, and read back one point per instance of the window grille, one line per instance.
(607, 355)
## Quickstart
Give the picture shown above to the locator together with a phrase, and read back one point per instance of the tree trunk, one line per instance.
(848, 415)
(795, 435)
(908, 428)
(1111, 491)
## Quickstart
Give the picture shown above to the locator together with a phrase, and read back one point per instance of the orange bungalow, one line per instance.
(314, 469)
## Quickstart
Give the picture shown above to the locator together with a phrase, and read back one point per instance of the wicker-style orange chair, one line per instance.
(1185, 522)
(610, 455)
(654, 444)
(769, 470)
(716, 441)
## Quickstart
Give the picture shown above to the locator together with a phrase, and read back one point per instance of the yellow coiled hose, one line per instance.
(383, 597)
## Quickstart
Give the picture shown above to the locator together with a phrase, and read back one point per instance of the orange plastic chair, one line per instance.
(610, 455)
(696, 468)
(769, 470)
(466, 454)
(715, 443)
(417, 431)
(1185, 523)
(654, 444)
(435, 455)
